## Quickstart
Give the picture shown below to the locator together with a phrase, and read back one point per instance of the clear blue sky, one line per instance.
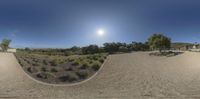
(64, 23)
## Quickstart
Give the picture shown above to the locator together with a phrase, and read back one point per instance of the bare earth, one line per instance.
(124, 76)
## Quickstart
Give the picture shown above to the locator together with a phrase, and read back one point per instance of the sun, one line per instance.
(100, 32)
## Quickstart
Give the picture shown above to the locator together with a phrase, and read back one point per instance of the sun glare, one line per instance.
(100, 32)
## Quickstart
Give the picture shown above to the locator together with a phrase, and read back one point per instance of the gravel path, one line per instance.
(124, 76)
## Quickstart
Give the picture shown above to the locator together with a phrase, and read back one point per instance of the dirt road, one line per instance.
(124, 76)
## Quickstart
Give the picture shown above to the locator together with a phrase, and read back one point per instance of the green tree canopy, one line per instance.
(159, 41)
(5, 44)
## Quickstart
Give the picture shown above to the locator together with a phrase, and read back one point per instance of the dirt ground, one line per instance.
(124, 76)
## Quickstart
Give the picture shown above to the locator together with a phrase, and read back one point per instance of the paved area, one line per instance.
(124, 76)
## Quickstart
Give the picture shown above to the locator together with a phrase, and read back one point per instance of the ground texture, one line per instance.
(124, 76)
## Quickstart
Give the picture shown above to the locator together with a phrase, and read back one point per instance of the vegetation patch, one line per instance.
(59, 69)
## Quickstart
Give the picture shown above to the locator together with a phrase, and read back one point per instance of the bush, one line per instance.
(75, 63)
(83, 74)
(95, 57)
(101, 60)
(44, 69)
(84, 66)
(55, 62)
(123, 49)
(54, 70)
(32, 69)
(44, 75)
(70, 77)
(71, 59)
(69, 69)
(96, 66)
(35, 64)
(45, 62)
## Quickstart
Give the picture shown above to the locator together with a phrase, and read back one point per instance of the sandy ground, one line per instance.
(124, 76)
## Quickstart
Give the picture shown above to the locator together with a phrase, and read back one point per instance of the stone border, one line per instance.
(73, 84)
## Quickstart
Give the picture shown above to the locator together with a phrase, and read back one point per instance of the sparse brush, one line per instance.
(45, 62)
(35, 64)
(71, 59)
(101, 60)
(70, 77)
(96, 66)
(85, 65)
(54, 70)
(76, 63)
(68, 69)
(83, 74)
(44, 69)
(44, 75)
(32, 69)
(54, 62)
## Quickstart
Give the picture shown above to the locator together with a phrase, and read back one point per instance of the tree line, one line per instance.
(155, 42)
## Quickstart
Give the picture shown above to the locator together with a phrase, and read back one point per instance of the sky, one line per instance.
(65, 23)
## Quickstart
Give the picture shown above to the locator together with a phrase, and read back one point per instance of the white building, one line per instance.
(195, 48)
(12, 50)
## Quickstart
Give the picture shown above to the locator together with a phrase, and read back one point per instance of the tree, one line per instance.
(5, 44)
(159, 41)
(123, 49)
(91, 49)
(113, 47)
(139, 46)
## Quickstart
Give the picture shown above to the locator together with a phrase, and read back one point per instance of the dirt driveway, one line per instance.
(124, 76)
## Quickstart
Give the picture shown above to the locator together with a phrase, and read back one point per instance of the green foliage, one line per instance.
(54, 70)
(44, 69)
(159, 41)
(123, 49)
(32, 69)
(101, 60)
(85, 65)
(5, 44)
(70, 76)
(54, 62)
(139, 46)
(96, 66)
(44, 75)
(82, 74)
(91, 49)
(76, 63)
(45, 62)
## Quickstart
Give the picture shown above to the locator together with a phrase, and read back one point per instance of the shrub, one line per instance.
(44, 69)
(123, 49)
(69, 77)
(95, 57)
(44, 75)
(54, 70)
(35, 64)
(83, 74)
(96, 66)
(75, 63)
(71, 59)
(32, 69)
(45, 62)
(101, 60)
(85, 65)
(54, 62)
(69, 69)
